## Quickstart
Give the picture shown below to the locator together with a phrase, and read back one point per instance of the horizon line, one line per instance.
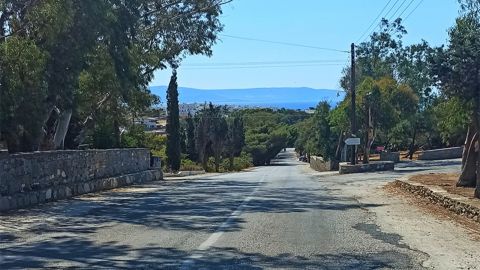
(250, 88)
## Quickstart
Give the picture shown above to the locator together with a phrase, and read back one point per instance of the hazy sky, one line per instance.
(319, 23)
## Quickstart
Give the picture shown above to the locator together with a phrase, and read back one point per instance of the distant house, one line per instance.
(152, 123)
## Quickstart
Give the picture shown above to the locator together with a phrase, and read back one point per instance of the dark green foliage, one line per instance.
(135, 137)
(90, 59)
(173, 125)
(211, 134)
(452, 119)
(22, 91)
(235, 138)
(315, 136)
(265, 134)
(190, 140)
(183, 139)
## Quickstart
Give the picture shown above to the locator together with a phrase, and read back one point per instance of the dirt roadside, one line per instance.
(450, 244)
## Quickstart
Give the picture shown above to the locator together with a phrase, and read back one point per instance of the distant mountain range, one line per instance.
(289, 98)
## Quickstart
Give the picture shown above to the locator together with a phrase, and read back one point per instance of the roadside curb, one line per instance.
(458, 204)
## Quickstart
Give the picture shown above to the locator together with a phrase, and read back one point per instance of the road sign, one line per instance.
(352, 141)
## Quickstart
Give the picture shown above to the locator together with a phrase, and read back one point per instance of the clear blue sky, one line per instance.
(323, 23)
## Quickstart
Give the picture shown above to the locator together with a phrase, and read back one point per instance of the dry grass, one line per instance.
(376, 157)
(447, 182)
(404, 153)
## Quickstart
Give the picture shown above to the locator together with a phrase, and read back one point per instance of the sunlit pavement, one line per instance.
(271, 217)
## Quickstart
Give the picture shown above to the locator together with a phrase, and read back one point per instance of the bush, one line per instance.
(188, 165)
(239, 163)
(243, 162)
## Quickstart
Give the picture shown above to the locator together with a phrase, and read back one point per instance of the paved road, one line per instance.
(278, 216)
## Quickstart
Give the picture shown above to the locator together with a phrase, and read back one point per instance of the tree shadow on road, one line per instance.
(200, 205)
(84, 254)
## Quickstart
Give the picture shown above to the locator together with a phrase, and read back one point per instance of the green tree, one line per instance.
(133, 38)
(22, 91)
(235, 139)
(265, 134)
(457, 69)
(190, 130)
(452, 120)
(211, 134)
(173, 125)
(183, 138)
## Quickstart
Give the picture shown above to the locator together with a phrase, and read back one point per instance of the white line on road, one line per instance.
(214, 237)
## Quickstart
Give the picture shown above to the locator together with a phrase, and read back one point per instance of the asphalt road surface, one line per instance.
(277, 216)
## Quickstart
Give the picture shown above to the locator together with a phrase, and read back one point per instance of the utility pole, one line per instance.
(353, 94)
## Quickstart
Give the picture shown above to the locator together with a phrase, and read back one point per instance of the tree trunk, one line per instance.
(62, 129)
(468, 177)
(477, 128)
(89, 121)
(477, 189)
(469, 137)
(369, 137)
(340, 146)
(13, 144)
(411, 151)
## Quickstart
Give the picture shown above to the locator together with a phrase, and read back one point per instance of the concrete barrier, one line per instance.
(439, 154)
(347, 168)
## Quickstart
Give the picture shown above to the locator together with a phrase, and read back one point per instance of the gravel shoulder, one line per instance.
(448, 243)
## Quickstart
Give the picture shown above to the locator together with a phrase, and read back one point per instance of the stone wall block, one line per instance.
(33, 178)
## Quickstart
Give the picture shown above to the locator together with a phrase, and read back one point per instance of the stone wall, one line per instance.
(31, 178)
(347, 168)
(390, 156)
(318, 164)
(439, 154)
(441, 198)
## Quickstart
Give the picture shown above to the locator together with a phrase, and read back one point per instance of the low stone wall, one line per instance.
(318, 164)
(390, 156)
(33, 178)
(347, 168)
(439, 154)
(453, 204)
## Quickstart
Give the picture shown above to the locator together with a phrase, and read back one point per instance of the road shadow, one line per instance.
(78, 253)
(193, 205)
(196, 205)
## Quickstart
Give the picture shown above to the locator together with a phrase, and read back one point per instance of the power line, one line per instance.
(394, 5)
(392, 17)
(416, 7)
(262, 67)
(386, 15)
(401, 14)
(285, 43)
(374, 21)
(262, 63)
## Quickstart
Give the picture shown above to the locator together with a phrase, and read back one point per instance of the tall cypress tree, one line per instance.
(173, 125)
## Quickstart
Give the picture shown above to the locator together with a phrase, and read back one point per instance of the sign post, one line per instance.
(353, 142)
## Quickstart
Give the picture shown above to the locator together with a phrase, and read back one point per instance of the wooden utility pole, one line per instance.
(353, 94)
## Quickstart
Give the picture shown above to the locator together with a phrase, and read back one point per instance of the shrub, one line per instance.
(188, 165)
